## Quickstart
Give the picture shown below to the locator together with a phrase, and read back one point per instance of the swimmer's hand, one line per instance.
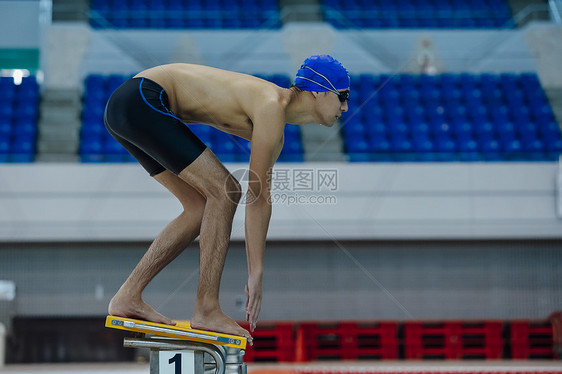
(253, 300)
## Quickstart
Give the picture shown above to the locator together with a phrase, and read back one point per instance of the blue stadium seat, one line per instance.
(352, 129)
(91, 145)
(378, 144)
(23, 143)
(507, 116)
(292, 152)
(490, 150)
(424, 145)
(224, 147)
(5, 146)
(5, 127)
(28, 90)
(26, 110)
(553, 148)
(191, 14)
(19, 112)
(25, 127)
(357, 145)
(7, 89)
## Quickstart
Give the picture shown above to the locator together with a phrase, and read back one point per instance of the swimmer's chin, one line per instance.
(325, 124)
(330, 124)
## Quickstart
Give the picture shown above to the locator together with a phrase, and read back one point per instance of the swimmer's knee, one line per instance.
(232, 189)
(226, 193)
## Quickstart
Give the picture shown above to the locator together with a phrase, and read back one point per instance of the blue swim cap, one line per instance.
(320, 73)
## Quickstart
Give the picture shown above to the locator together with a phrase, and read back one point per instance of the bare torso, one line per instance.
(223, 99)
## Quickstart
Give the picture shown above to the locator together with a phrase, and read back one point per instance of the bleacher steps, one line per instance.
(71, 10)
(519, 6)
(59, 125)
(322, 143)
(300, 11)
(555, 98)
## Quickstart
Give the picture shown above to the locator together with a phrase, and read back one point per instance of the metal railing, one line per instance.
(533, 10)
(555, 10)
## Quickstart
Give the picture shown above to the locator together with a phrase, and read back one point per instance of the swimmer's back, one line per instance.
(202, 94)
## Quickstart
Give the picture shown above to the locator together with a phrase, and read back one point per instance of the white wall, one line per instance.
(59, 202)
(22, 16)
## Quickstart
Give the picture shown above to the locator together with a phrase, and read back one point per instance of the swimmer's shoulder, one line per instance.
(261, 93)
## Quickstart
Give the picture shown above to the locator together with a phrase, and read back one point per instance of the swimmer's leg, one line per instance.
(166, 247)
(222, 193)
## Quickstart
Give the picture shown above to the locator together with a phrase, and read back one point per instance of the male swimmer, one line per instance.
(147, 116)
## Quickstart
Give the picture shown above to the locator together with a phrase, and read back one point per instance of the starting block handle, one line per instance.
(217, 353)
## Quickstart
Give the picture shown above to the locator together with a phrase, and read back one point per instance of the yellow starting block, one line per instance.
(180, 349)
(182, 330)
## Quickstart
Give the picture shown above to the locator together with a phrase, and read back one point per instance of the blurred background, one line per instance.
(426, 224)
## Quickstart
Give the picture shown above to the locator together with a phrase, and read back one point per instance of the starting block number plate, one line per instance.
(176, 362)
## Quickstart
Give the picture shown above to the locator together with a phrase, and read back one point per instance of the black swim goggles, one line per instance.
(343, 96)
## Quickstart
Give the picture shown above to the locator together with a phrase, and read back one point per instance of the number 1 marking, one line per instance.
(177, 361)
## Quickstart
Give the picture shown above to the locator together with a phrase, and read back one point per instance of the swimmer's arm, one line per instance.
(266, 138)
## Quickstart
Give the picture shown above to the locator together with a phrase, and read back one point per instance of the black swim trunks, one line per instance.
(137, 116)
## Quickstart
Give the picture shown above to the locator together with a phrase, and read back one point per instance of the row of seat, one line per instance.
(375, 20)
(450, 149)
(467, 80)
(440, 129)
(399, 110)
(180, 14)
(188, 20)
(450, 118)
(519, 99)
(18, 119)
(179, 5)
(266, 14)
(418, 14)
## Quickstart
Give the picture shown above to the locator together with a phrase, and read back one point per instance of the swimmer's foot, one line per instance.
(136, 308)
(217, 321)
